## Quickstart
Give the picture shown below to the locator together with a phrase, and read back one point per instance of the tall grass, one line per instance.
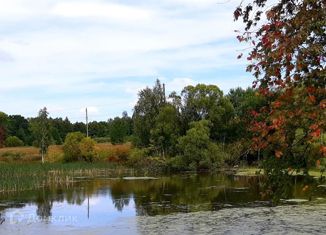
(113, 153)
(24, 154)
(19, 177)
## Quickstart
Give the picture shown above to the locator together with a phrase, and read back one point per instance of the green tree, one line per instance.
(166, 130)
(207, 102)
(79, 127)
(19, 126)
(148, 106)
(246, 103)
(99, 129)
(120, 128)
(60, 128)
(41, 131)
(3, 128)
(196, 148)
(13, 141)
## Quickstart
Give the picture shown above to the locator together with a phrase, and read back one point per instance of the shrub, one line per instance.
(13, 141)
(197, 150)
(122, 152)
(12, 156)
(87, 149)
(137, 155)
(141, 159)
(78, 147)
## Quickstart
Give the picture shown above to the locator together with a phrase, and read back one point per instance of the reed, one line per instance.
(20, 177)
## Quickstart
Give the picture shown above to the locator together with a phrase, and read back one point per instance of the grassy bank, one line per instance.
(252, 171)
(21, 168)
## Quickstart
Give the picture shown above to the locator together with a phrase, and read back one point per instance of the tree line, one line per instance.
(198, 128)
(16, 130)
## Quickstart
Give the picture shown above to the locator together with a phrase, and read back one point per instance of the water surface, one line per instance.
(133, 205)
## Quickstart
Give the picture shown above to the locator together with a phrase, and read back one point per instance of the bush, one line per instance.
(87, 149)
(12, 156)
(197, 150)
(137, 155)
(78, 147)
(71, 146)
(13, 141)
(141, 159)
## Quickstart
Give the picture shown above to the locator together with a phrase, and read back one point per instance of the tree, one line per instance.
(98, 129)
(13, 141)
(196, 148)
(60, 128)
(288, 61)
(118, 130)
(79, 127)
(148, 106)
(207, 102)
(166, 130)
(41, 130)
(19, 126)
(3, 128)
(245, 103)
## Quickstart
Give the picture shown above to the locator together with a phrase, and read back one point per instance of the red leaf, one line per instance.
(316, 133)
(312, 99)
(278, 153)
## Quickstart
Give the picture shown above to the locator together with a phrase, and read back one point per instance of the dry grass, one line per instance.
(23, 150)
(24, 154)
(105, 152)
(113, 153)
(55, 154)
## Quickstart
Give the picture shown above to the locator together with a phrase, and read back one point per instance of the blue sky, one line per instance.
(71, 54)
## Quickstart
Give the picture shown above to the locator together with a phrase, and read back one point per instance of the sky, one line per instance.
(70, 54)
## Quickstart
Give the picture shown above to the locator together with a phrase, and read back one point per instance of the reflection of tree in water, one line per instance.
(161, 196)
(120, 194)
(120, 203)
(171, 194)
(44, 204)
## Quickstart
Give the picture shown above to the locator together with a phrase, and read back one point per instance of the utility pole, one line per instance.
(164, 98)
(86, 123)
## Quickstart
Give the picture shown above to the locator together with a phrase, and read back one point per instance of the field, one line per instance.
(104, 152)
(21, 168)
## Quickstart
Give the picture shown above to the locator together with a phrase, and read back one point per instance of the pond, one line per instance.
(145, 205)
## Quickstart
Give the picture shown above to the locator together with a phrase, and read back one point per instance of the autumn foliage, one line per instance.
(288, 59)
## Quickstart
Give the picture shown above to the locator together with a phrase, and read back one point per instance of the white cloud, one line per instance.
(78, 51)
(177, 84)
(100, 10)
(91, 110)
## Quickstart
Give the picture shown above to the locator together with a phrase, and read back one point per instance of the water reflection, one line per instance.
(107, 199)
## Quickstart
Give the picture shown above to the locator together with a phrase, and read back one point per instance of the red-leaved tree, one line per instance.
(288, 59)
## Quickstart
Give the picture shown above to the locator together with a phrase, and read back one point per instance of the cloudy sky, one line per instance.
(71, 54)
